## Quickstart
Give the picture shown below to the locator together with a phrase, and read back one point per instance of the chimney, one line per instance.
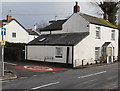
(105, 16)
(9, 18)
(76, 8)
(34, 28)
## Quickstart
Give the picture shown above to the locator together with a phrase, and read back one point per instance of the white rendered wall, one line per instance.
(39, 53)
(75, 23)
(21, 34)
(32, 37)
(86, 48)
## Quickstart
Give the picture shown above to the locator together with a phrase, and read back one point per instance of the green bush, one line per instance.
(15, 45)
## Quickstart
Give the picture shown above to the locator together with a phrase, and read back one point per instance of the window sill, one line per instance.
(14, 37)
(113, 39)
(97, 38)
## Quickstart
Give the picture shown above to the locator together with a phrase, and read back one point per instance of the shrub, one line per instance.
(15, 45)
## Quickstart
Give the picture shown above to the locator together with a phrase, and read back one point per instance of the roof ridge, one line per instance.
(97, 20)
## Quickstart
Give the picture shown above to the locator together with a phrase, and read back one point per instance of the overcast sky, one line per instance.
(30, 13)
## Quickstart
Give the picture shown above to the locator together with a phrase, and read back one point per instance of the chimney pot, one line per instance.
(105, 16)
(76, 8)
(9, 18)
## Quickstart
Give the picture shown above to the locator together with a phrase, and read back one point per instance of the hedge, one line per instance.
(15, 45)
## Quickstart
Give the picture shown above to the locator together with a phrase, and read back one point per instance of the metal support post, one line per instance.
(2, 60)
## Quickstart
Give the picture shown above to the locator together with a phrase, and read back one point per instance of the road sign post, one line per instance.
(3, 33)
(2, 61)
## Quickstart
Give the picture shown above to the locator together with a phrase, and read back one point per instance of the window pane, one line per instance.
(59, 52)
(113, 34)
(13, 35)
(97, 32)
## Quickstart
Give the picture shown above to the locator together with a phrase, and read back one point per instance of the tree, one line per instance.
(110, 8)
(41, 24)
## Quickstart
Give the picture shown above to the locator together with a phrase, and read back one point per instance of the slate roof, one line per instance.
(31, 32)
(57, 25)
(98, 21)
(106, 43)
(59, 39)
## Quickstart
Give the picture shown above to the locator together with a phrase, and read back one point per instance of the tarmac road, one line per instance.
(101, 77)
(17, 67)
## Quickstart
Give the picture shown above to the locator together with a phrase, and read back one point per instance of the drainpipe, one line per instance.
(83, 62)
(119, 45)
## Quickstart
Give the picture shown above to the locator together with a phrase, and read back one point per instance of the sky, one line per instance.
(29, 13)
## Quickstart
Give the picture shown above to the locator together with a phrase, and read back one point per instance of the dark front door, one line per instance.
(110, 54)
(67, 56)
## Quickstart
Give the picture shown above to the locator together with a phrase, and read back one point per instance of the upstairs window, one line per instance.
(97, 32)
(112, 34)
(13, 35)
(59, 52)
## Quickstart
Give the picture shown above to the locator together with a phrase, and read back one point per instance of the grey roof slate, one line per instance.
(57, 25)
(31, 32)
(59, 39)
(98, 21)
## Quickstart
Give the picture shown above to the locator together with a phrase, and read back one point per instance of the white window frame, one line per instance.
(98, 33)
(59, 52)
(112, 34)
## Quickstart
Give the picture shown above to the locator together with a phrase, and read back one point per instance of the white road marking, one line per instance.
(93, 74)
(10, 63)
(45, 85)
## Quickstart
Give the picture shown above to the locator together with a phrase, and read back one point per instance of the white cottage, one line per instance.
(79, 40)
(15, 32)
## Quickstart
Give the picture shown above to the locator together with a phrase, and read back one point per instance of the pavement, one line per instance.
(8, 76)
(104, 77)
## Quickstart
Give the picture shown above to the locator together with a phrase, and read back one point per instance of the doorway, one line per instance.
(109, 54)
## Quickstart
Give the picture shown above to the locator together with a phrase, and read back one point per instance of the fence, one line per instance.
(16, 54)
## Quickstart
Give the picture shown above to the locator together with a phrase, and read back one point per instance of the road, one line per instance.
(100, 77)
(18, 67)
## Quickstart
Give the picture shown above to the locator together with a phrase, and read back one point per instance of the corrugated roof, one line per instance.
(59, 39)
